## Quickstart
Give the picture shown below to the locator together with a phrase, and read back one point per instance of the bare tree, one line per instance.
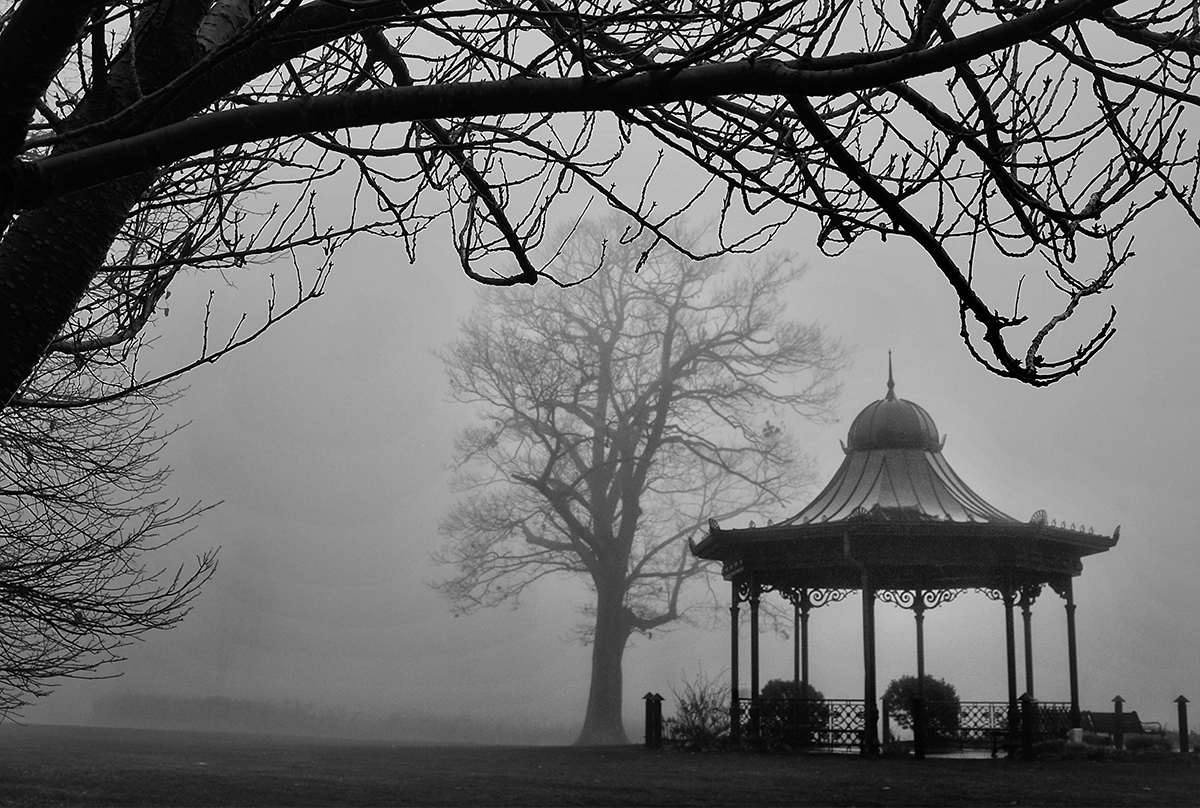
(1017, 143)
(81, 509)
(615, 419)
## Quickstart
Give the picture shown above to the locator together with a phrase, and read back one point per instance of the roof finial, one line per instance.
(891, 394)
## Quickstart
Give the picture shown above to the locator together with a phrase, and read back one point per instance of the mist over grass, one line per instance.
(292, 717)
(88, 766)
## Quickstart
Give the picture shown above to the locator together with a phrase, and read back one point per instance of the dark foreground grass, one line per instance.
(87, 766)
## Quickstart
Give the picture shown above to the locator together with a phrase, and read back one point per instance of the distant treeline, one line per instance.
(221, 714)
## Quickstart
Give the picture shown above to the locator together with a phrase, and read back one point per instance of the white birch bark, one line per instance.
(224, 21)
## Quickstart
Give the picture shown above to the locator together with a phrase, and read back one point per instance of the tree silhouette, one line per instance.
(616, 418)
(1016, 143)
(81, 514)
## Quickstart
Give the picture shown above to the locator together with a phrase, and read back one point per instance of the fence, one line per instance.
(842, 723)
(815, 723)
(990, 724)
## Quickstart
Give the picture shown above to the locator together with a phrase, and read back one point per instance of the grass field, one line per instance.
(42, 765)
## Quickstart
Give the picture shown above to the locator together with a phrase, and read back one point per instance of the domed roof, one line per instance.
(893, 423)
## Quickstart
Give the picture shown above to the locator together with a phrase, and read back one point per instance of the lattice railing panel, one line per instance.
(841, 723)
(991, 722)
(979, 721)
(1053, 718)
(822, 723)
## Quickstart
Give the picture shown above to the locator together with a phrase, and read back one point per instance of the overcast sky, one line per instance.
(327, 442)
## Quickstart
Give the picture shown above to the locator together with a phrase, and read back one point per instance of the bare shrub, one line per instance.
(701, 719)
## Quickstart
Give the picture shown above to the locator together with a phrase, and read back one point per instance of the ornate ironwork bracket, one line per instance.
(918, 599)
(750, 591)
(1020, 595)
(1027, 595)
(1061, 586)
(1006, 596)
(805, 599)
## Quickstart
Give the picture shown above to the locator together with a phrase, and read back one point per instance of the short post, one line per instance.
(1118, 728)
(1184, 740)
(658, 721)
(654, 720)
(1027, 721)
(918, 722)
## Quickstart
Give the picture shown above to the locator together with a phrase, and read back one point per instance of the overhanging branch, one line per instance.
(31, 184)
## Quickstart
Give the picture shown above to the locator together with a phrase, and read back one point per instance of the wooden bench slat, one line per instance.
(1106, 723)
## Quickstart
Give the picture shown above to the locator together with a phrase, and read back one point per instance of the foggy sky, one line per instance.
(327, 441)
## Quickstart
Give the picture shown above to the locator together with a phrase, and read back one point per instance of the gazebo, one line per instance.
(897, 524)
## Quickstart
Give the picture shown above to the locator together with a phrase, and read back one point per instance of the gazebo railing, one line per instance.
(982, 723)
(814, 723)
(841, 723)
(1053, 719)
(996, 724)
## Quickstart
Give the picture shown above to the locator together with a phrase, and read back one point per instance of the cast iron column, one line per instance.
(919, 711)
(796, 648)
(805, 605)
(754, 705)
(1010, 647)
(735, 719)
(1027, 596)
(870, 709)
(919, 614)
(1072, 658)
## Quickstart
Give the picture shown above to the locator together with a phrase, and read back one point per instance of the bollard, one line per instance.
(1118, 728)
(649, 699)
(918, 721)
(1027, 720)
(1184, 740)
(658, 721)
(653, 720)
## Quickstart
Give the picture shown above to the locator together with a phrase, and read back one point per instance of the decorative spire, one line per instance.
(891, 394)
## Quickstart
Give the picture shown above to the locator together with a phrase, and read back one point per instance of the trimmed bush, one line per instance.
(790, 721)
(941, 705)
(786, 689)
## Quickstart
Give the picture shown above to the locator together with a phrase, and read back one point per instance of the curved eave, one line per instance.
(917, 480)
(725, 544)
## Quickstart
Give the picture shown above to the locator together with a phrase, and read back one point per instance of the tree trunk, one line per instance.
(47, 259)
(603, 725)
(50, 254)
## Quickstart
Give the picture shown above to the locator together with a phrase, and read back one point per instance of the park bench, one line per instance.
(1106, 724)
